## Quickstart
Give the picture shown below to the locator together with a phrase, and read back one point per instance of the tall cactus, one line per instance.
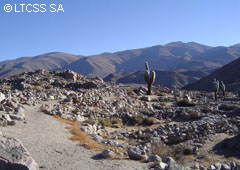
(223, 88)
(215, 87)
(150, 79)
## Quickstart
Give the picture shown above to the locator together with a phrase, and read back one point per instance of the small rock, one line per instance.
(17, 117)
(218, 166)
(202, 168)
(161, 166)
(168, 160)
(175, 167)
(154, 158)
(2, 97)
(226, 167)
(107, 154)
(137, 153)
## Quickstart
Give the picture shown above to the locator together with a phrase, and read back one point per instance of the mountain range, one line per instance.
(229, 74)
(164, 78)
(177, 63)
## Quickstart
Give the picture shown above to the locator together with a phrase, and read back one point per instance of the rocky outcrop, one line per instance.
(14, 156)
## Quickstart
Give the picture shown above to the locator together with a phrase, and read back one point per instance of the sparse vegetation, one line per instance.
(37, 88)
(141, 120)
(49, 86)
(111, 122)
(215, 88)
(150, 121)
(136, 119)
(178, 152)
(161, 94)
(149, 79)
(80, 136)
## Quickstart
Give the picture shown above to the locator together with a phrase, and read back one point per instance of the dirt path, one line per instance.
(47, 141)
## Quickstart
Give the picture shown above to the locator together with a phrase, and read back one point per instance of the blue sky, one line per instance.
(95, 26)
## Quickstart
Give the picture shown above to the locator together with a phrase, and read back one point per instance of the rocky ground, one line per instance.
(170, 129)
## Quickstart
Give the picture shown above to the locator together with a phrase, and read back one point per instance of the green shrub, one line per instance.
(49, 86)
(140, 120)
(150, 121)
(161, 94)
(136, 119)
(177, 152)
(37, 88)
(111, 122)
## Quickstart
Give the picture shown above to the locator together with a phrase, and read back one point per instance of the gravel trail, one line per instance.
(47, 141)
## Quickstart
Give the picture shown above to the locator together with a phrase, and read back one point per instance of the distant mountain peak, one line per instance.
(175, 43)
(235, 45)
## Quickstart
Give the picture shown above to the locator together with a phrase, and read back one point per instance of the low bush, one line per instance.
(161, 94)
(136, 119)
(49, 86)
(37, 88)
(111, 122)
(150, 121)
(177, 152)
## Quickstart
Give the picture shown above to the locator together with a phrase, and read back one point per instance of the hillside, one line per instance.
(163, 78)
(49, 61)
(159, 57)
(176, 56)
(229, 74)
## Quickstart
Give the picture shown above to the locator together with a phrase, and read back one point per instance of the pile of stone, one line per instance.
(76, 97)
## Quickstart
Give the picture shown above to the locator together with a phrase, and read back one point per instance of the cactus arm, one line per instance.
(147, 76)
(153, 77)
(146, 65)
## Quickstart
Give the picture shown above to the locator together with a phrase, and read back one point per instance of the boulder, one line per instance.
(168, 160)
(107, 154)
(13, 155)
(175, 167)
(17, 116)
(2, 97)
(69, 74)
(154, 158)
(226, 167)
(137, 153)
(161, 166)
(8, 119)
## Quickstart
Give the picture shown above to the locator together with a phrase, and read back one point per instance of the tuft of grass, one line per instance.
(79, 135)
(111, 122)
(37, 88)
(136, 119)
(161, 94)
(85, 140)
(49, 86)
(141, 120)
(178, 152)
(150, 121)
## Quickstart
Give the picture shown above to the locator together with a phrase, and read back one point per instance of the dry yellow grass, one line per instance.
(79, 135)
(84, 140)
(37, 88)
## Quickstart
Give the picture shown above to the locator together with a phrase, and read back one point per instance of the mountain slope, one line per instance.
(49, 61)
(164, 78)
(176, 56)
(229, 74)
(159, 57)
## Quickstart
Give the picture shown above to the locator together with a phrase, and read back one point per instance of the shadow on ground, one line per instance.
(229, 147)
